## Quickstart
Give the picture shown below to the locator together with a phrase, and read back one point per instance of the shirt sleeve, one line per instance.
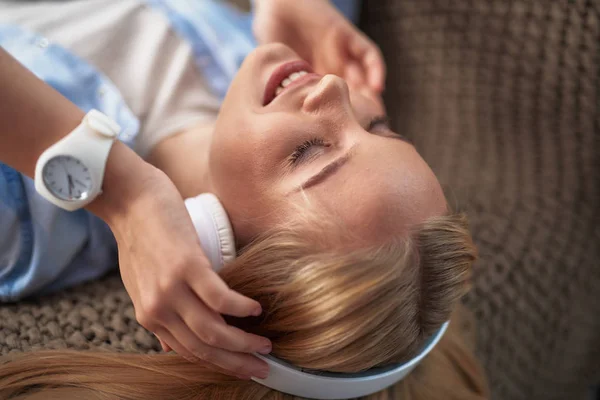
(13, 229)
(44, 248)
(181, 97)
(155, 71)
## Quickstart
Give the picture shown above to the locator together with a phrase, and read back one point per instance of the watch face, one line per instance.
(67, 178)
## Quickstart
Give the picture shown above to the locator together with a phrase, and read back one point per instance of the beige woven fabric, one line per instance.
(501, 97)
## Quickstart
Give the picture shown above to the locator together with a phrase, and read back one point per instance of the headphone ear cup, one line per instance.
(213, 229)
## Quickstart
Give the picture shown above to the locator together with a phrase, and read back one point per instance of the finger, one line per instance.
(209, 287)
(369, 55)
(176, 346)
(166, 348)
(229, 373)
(190, 358)
(375, 67)
(212, 329)
(354, 74)
(239, 364)
(162, 344)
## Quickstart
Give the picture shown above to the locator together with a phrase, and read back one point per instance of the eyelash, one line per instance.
(379, 120)
(300, 151)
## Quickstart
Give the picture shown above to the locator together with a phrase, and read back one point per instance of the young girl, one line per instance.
(285, 138)
(156, 68)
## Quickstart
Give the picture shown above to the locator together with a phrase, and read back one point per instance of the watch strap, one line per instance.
(90, 142)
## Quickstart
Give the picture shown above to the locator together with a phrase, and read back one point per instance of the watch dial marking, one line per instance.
(67, 178)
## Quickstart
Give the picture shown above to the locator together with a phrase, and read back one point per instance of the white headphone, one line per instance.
(218, 242)
(213, 228)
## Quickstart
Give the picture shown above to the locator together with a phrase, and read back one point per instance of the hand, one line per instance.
(175, 292)
(321, 35)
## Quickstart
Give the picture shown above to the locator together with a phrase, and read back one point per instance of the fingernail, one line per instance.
(257, 311)
(266, 349)
(244, 377)
(262, 374)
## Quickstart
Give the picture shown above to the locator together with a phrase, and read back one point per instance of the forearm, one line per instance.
(34, 116)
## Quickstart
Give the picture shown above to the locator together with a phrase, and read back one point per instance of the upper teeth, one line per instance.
(292, 77)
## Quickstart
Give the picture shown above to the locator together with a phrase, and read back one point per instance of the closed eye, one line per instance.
(304, 151)
(377, 125)
(381, 121)
(381, 125)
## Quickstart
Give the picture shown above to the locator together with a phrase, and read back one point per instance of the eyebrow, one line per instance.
(327, 171)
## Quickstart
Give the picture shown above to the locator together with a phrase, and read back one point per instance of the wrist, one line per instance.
(127, 178)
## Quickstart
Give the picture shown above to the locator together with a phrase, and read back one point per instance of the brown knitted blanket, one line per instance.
(501, 97)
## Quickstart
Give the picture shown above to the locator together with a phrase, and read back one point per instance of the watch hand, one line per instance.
(68, 176)
(70, 179)
(77, 181)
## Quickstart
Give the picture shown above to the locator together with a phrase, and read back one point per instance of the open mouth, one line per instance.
(286, 76)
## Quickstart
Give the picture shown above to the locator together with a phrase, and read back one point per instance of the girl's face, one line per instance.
(318, 143)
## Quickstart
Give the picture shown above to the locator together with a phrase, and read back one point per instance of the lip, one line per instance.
(282, 72)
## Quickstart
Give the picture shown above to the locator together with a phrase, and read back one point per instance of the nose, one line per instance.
(331, 92)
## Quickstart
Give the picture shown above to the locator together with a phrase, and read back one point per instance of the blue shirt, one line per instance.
(44, 248)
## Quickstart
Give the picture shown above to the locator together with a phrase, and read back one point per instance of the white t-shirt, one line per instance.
(135, 47)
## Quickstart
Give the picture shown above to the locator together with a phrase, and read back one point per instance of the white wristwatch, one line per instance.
(69, 173)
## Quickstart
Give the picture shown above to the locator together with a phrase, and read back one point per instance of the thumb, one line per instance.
(354, 74)
(362, 49)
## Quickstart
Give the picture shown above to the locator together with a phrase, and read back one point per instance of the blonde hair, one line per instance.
(326, 308)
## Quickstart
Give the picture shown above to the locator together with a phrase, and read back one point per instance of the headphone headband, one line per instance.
(289, 379)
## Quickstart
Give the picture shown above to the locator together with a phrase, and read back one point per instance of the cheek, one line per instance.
(228, 159)
(241, 159)
(231, 170)
(251, 215)
(241, 179)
